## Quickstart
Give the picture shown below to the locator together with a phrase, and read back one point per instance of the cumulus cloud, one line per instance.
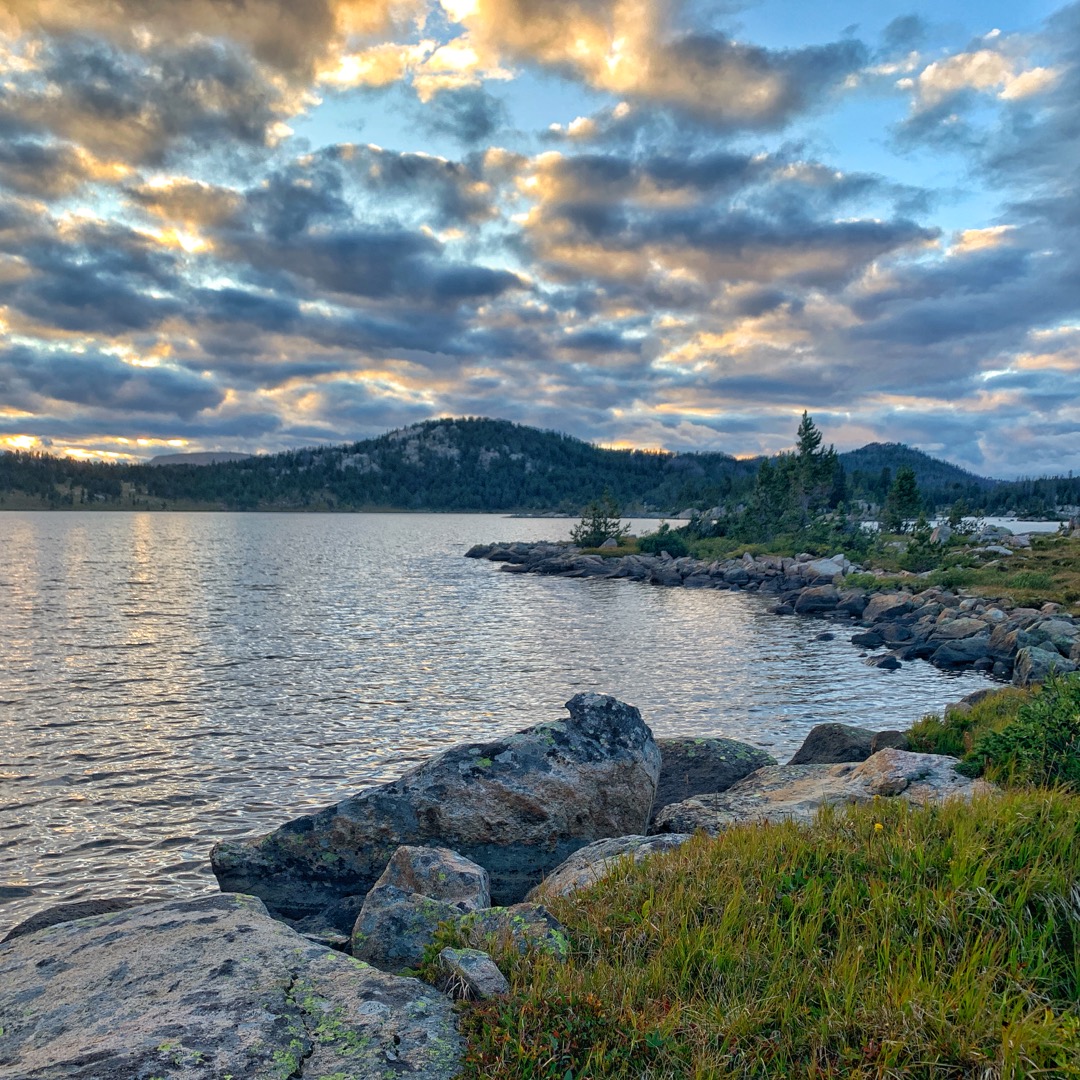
(632, 48)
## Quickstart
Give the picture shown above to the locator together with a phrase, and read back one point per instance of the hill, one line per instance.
(473, 464)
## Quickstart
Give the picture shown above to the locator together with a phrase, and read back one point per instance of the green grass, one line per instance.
(959, 729)
(884, 942)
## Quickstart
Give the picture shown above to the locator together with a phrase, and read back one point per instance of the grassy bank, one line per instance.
(888, 941)
(1047, 572)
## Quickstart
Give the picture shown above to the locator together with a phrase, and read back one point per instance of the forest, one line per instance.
(479, 464)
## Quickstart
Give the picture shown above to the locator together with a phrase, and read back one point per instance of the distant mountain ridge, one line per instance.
(479, 464)
(210, 457)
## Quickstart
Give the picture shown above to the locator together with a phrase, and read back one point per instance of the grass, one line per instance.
(957, 732)
(888, 941)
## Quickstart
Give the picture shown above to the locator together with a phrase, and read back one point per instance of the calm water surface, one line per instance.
(168, 680)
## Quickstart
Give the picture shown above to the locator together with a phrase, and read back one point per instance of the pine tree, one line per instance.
(903, 502)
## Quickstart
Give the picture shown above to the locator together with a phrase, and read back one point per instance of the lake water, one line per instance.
(167, 680)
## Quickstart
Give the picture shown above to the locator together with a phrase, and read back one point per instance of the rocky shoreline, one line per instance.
(295, 969)
(934, 624)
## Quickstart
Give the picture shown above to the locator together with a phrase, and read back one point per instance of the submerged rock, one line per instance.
(209, 988)
(518, 806)
(796, 792)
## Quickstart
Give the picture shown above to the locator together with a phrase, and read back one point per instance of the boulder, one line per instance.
(956, 629)
(470, 975)
(867, 639)
(961, 653)
(888, 662)
(209, 987)
(1035, 664)
(521, 926)
(690, 765)
(816, 599)
(518, 806)
(824, 569)
(831, 743)
(591, 864)
(883, 606)
(419, 888)
(394, 927)
(883, 740)
(796, 792)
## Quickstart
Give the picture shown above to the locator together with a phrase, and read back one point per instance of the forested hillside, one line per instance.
(486, 465)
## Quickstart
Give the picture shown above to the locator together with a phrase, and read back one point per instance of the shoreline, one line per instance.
(952, 632)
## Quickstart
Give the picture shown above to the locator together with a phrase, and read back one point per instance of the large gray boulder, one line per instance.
(690, 765)
(517, 806)
(828, 744)
(209, 988)
(796, 792)
(595, 862)
(1035, 664)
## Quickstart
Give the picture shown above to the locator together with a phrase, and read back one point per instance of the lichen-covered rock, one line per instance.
(419, 888)
(470, 975)
(593, 863)
(209, 988)
(796, 792)
(828, 744)
(819, 598)
(518, 806)
(394, 927)
(689, 766)
(439, 873)
(521, 926)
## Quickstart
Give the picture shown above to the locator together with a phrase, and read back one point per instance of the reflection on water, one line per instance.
(168, 680)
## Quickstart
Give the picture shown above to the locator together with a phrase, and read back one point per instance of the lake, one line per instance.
(167, 680)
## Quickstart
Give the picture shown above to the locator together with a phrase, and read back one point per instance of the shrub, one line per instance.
(1041, 746)
(963, 725)
(664, 539)
(599, 522)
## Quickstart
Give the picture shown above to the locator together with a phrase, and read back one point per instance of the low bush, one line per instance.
(1040, 746)
(887, 941)
(961, 726)
(664, 539)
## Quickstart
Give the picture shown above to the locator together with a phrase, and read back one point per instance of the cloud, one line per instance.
(32, 378)
(631, 48)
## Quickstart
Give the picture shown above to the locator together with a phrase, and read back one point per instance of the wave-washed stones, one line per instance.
(933, 624)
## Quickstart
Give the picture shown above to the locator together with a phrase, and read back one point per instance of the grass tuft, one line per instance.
(886, 941)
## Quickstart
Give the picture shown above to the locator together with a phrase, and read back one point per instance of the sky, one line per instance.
(258, 225)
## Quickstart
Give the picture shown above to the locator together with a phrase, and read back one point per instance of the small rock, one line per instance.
(470, 975)
(888, 662)
(884, 740)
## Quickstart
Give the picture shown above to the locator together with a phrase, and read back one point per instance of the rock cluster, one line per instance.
(1022, 644)
(219, 986)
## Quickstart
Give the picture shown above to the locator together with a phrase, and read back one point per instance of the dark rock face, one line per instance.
(817, 599)
(518, 807)
(885, 740)
(690, 766)
(828, 744)
(209, 988)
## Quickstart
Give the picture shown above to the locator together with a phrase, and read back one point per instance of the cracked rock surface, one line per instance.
(206, 989)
